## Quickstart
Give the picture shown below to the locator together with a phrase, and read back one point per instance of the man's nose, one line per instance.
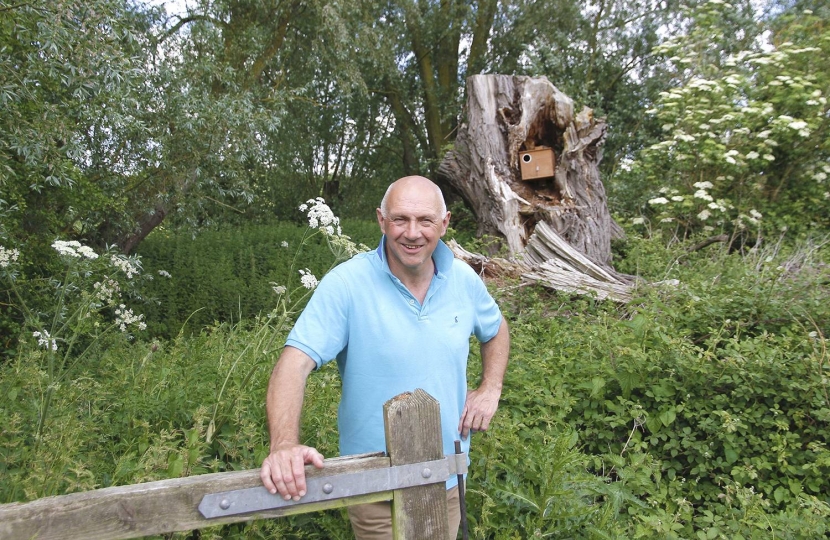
(412, 229)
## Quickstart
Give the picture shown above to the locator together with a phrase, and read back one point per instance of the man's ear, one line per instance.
(380, 220)
(445, 223)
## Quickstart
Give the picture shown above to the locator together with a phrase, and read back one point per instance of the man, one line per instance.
(396, 319)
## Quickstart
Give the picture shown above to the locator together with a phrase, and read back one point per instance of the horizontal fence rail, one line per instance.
(412, 477)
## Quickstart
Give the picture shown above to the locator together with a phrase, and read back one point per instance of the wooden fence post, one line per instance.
(413, 434)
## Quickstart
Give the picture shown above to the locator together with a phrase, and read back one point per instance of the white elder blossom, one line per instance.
(703, 185)
(284, 244)
(104, 291)
(658, 200)
(704, 215)
(769, 157)
(45, 340)
(8, 256)
(65, 247)
(165, 274)
(73, 248)
(87, 252)
(701, 194)
(820, 176)
(753, 155)
(638, 220)
(125, 317)
(319, 213)
(124, 264)
(667, 220)
(307, 279)
(677, 198)
(755, 213)
(320, 216)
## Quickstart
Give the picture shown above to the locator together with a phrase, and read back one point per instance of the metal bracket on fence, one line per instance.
(323, 488)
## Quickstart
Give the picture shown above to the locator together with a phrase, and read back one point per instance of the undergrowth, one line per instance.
(699, 410)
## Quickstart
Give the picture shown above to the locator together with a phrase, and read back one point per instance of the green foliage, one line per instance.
(72, 78)
(748, 123)
(700, 410)
(228, 274)
(713, 396)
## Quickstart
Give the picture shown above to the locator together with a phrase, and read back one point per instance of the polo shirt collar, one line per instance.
(442, 257)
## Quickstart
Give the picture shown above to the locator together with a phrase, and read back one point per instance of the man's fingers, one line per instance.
(315, 458)
(477, 413)
(265, 476)
(283, 471)
(298, 475)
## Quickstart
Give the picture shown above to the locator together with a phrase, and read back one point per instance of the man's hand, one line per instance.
(283, 470)
(478, 410)
(482, 402)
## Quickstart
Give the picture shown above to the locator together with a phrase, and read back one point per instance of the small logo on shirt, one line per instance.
(456, 319)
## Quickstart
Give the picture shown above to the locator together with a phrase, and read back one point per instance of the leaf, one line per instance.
(667, 417)
(730, 454)
(628, 381)
(597, 384)
(653, 424)
(779, 494)
(175, 466)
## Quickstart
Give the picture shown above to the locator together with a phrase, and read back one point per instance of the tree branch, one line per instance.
(276, 43)
(189, 19)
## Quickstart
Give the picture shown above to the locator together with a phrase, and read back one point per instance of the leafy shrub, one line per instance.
(744, 131)
(225, 275)
(713, 395)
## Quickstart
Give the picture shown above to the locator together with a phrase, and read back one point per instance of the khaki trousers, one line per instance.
(373, 521)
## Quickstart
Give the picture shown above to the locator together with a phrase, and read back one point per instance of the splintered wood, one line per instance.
(557, 230)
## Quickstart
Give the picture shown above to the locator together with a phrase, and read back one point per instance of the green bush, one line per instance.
(713, 393)
(226, 275)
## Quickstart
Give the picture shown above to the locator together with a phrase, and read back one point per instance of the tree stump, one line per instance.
(508, 116)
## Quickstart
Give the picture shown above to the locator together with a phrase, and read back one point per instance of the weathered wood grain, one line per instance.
(560, 229)
(413, 434)
(159, 507)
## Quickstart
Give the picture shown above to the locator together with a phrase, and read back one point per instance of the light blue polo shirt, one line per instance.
(386, 342)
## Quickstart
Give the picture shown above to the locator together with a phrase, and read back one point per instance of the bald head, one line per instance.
(416, 184)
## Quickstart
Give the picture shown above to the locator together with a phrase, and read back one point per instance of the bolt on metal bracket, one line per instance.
(323, 488)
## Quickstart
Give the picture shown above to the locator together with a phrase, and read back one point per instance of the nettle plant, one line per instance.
(744, 134)
(74, 310)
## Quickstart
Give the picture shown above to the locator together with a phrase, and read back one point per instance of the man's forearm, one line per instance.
(284, 401)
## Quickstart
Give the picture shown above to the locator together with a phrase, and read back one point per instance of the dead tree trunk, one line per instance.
(507, 117)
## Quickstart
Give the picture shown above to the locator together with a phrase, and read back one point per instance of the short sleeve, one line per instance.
(487, 313)
(322, 329)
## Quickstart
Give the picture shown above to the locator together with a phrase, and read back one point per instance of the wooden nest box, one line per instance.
(537, 163)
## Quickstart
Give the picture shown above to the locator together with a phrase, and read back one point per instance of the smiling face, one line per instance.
(413, 224)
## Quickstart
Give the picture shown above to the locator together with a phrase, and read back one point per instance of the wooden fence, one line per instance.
(413, 437)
